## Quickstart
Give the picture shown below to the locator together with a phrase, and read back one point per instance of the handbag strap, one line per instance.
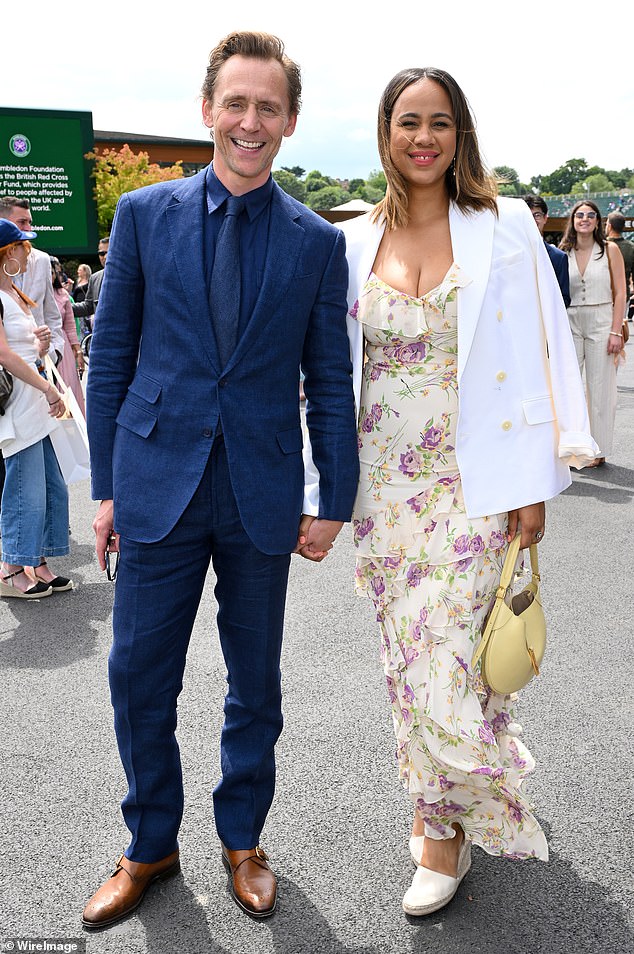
(505, 582)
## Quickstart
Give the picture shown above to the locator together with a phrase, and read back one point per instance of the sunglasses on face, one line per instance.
(585, 215)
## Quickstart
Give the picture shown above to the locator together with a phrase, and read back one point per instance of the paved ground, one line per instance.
(338, 830)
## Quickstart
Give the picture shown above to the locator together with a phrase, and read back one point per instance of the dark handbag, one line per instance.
(6, 380)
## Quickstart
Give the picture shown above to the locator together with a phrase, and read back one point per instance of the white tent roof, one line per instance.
(354, 205)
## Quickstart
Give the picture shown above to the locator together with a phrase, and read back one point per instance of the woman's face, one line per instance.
(423, 133)
(585, 220)
(82, 278)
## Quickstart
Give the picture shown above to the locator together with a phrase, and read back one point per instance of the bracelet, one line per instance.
(616, 334)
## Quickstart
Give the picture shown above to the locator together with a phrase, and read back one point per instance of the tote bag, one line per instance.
(70, 437)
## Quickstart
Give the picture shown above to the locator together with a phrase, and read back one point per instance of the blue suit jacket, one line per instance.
(156, 392)
(559, 261)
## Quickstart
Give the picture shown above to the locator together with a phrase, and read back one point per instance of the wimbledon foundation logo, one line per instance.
(19, 145)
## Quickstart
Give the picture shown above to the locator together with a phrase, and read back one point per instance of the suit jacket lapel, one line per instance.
(472, 243)
(185, 228)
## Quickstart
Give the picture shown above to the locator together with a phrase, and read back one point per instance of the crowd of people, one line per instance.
(442, 378)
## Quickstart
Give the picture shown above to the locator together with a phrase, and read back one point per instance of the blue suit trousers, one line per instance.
(158, 590)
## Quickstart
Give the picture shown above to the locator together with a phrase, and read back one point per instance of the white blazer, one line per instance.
(523, 419)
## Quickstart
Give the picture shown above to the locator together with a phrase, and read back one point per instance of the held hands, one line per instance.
(531, 521)
(105, 537)
(316, 537)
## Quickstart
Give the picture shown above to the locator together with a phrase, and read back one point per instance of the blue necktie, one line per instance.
(224, 292)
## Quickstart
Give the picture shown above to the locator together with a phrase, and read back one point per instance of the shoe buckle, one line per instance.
(260, 852)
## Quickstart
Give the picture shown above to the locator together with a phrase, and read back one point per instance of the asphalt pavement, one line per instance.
(337, 833)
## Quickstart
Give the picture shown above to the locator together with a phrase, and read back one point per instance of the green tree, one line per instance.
(355, 184)
(118, 171)
(376, 180)
(598, 182)
(327, 198)
(508, 180)
(296, 171)
(290, 183)
(561, 181)
(316, 180)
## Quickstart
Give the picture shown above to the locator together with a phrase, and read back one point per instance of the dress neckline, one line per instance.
(453, 268)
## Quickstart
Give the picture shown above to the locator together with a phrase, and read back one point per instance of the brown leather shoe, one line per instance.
(125, 889)
(253, 884)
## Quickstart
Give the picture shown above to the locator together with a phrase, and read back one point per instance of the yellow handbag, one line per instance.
(514, 639)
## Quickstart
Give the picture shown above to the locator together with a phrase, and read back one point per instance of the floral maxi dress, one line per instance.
(432, 573)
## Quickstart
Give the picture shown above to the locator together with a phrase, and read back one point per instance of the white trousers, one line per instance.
(590, 326)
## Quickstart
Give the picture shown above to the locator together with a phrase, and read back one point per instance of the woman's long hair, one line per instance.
(469, 183)
(569, 240)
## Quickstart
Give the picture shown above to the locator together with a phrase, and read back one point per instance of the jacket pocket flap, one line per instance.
(538, 410)
(145, 388)
(137, 419)
(291, 441)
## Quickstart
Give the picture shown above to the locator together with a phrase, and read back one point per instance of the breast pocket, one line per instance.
(507, 261)
(538, 410)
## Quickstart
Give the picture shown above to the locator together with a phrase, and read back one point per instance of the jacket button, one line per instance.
(499, 316)
(207, 432)
(506, 425)
(222, 383)
(501, 375)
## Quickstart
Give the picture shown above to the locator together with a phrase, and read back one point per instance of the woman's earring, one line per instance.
(11, 274)
(452, 167)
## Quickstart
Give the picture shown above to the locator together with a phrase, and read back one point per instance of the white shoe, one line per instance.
(416, 843)
(430, 890)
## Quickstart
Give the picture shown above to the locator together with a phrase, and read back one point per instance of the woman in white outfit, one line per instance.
(597, 308)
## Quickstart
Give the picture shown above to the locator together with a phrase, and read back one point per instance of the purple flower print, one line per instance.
(363, 527)
(432, 438)
(376, 411)
(354, 311)
(367, 424)
(392, 563)
(461, 662)
(448, 481)
(500, 722)
(414, 574)
(410, 655)
(381, 367)
(410, 353)
(416, 503)
(486, 735)
(444, 783)
(477, 545)
(378, 586)
(496, 540)
(431, 526)
(483, 770)
(408, 694)
(461, 544)
(515, 811)
(411, 464)
(463, 565)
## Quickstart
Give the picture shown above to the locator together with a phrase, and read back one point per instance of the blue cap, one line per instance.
(9, 233)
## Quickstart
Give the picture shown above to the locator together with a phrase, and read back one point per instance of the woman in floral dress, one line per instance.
(467, 424)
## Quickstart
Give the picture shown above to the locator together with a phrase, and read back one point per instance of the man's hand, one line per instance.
(532, 520)
(317, 537)
(105, 536)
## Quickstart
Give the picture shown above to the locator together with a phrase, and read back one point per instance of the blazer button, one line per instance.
(207, 432)
(499, 316)
(222, 383)
(501, 375)
(506, 425)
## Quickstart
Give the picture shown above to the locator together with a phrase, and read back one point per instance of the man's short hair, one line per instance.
(8, 202)
(536, 202)
(260, 46)
(617, 221)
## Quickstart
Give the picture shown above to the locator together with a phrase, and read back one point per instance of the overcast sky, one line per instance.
(534, 77)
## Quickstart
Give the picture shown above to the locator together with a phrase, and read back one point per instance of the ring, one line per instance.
(539, 534)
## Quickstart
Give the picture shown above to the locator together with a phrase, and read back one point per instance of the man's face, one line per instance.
(540, 219)
(20, 217)
(102, 252)
(250, 115)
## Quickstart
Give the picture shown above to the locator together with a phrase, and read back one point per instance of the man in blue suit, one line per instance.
(218, 289)
(558, 259)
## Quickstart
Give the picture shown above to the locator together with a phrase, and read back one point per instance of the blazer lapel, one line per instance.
(185, 228)
(472, 243)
